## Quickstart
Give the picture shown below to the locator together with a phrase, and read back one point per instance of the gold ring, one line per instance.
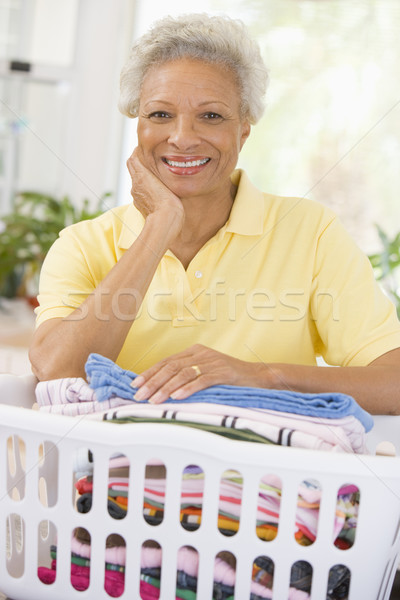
(196, 370)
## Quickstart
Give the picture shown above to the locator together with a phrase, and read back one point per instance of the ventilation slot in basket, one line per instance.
(118, 485)
(83, 480)
(48, 469)
(192, 497)
(15, 544)
(338, 582)
(347, 506)
(269, 501)
(115, 561)
(187, 572)
(230, 499)
(301, 576)
(154, 492)
(224, 575)
(150, 571)
(80, 559)
(307, 512)
(16, 467)
(47, 552)
(262, 576)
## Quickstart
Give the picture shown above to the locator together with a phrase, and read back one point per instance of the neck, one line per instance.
(203, 218)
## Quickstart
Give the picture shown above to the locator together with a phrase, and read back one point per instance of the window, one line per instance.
(331, 129)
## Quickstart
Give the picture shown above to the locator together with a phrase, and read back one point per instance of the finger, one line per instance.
(196, 385)
(168, 377)
(190, 352)
(132, 161)
(136, 167)
(190, 379)
(216, 372)
(146, 375)
(185, 375)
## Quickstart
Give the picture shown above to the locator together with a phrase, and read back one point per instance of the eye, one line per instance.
(212, 116)
(159, 114)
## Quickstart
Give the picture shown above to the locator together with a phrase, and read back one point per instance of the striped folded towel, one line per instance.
(109, 380)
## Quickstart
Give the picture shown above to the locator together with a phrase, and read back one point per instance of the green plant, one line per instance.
(27, 233)
(386, 265)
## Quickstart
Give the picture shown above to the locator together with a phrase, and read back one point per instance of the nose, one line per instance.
(183, 134)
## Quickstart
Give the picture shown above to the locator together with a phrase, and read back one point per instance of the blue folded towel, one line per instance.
(109, 380)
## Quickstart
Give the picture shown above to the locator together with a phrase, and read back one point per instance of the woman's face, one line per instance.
(189, 130)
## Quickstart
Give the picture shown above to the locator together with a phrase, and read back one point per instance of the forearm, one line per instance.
(376, 387)
(103, 320)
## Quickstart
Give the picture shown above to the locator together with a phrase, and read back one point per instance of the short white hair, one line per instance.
(213, 39)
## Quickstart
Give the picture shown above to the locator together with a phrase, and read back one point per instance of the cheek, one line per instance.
(144, 136)
(227, 142)
(147, 138)
(146, 143)
(231, 147)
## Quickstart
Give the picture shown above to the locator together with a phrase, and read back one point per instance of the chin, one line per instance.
(182, 189)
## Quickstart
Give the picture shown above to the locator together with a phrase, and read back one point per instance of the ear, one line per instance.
(246, 128)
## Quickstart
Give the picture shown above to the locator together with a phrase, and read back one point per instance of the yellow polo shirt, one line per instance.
(281, 282)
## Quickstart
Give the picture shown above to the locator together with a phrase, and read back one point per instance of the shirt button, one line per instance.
(198, 274)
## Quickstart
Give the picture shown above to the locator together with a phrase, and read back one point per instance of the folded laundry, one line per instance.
(74, 397)
(109, 380)
(71, 396)
(346, 434)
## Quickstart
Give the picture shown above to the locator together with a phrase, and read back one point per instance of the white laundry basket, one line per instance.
(28, 526)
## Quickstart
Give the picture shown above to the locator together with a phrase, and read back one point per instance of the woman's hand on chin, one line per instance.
(192, 370)
(151, 196)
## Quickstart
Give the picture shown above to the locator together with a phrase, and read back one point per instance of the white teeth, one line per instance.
(189, 163)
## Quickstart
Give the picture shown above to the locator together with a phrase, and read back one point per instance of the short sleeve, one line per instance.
(65, 279)
(355, 320)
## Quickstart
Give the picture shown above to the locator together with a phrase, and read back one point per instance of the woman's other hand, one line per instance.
(192, 370)
(151, 196)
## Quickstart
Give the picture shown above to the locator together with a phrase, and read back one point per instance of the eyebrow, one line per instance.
(167, 103)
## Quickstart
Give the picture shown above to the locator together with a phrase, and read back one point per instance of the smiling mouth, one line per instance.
(187, 163)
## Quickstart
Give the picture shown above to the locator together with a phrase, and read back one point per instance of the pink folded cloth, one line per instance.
(115, 555)
(114, 582)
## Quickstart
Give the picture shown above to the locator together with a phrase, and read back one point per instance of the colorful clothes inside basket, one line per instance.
(268, 506)
(186, 577)
(228, 522)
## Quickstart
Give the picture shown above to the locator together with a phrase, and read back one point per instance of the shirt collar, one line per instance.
(247, 214)
(246, 217)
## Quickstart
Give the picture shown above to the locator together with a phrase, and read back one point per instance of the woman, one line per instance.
(205, 280)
